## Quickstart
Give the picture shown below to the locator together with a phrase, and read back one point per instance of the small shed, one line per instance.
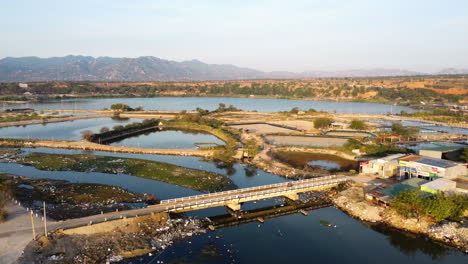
(439, 185)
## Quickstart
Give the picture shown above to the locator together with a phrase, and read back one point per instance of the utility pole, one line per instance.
(32, 223)
(45, 220)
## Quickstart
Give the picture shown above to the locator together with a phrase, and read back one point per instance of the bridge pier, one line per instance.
(233, 206)
(291, 198)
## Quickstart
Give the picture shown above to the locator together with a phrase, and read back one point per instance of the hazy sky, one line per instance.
(290, 35)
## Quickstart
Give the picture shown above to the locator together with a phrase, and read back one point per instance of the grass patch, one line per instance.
(190, 178)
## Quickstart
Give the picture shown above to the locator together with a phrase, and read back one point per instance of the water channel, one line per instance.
(293, 237)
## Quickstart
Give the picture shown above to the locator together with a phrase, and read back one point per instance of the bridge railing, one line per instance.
(252, 194)
(247, 189)
(223, 199)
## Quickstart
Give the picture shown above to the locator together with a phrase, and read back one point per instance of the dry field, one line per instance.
(321, 142)
(299, 124)
(263, 128)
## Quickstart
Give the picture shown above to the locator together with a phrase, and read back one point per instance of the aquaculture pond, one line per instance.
(425, 127)
(211, 103)
(292, 238)
(170, 139)
(316, 161)
(429, 145)
(70, 130)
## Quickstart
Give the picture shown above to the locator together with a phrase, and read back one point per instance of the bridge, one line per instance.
(232, 200)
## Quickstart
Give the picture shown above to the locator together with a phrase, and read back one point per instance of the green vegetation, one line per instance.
(374, 150)
(322, 122)
(6, 153)
(251, 147)
(121, 107)
(160, 171)
(22, 117)
(199, 122)
(358, 124)
(118, 130)
(440, 206)
(351, 89)
(439, 115)
(401, 130)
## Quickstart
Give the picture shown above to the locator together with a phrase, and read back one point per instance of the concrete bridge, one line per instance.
(232, 200)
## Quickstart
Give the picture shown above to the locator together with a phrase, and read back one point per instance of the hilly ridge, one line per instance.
(148, 68)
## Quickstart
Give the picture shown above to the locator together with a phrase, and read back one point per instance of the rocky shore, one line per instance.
(353, 203)
(145, 238)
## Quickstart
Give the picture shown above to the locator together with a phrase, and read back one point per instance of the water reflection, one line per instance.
(410, 244)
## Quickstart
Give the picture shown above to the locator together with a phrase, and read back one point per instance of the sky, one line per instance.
(268, 35)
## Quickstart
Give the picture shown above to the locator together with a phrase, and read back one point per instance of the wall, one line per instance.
(126, 225)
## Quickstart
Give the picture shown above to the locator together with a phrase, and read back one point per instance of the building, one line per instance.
(439, 185)
(430, 168)
(383, 195)
(384, 167)
(443, 152)
(23, 85)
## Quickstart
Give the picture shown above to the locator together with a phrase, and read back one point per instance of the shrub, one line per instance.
(322, 122)
(358, 124)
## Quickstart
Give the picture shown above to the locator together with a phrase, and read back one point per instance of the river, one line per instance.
(292, 238)
(211, 103)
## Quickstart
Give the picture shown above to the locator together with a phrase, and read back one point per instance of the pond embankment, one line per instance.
(50, 120)
(352, 202)
(84, 145)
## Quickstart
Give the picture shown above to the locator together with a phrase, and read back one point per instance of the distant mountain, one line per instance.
(85, 68)
(451, 71)
(362, 73)
(81, 68)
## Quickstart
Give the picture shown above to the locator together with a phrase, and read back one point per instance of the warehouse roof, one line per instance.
(443, 148)
(437, 162)
(440, 184)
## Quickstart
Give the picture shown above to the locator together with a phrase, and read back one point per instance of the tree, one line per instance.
(122, 107)
(86, 134)
(322, 122)
(404, 131)
(408, 204)
(294, 110)
(441, 207)
(358, 124)
(103, 130)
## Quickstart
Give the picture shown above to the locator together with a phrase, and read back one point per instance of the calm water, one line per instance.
(69, 130)
(325, 164)
(169, 139)
(293, 238)
(211, 103)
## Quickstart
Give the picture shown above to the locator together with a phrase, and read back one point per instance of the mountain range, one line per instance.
(148, 68)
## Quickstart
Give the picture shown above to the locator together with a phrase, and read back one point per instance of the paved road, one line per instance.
(16, 232)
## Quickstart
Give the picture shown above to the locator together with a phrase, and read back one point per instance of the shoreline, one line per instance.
(446, 232)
